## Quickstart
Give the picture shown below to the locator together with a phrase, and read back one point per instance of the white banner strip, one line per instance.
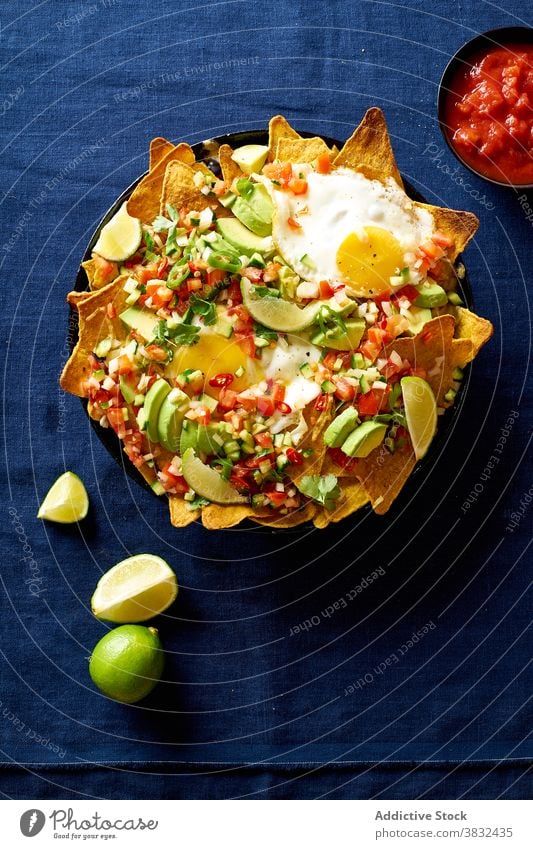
(264, 824)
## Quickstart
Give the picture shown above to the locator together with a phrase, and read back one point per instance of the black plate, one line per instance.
(206, 152)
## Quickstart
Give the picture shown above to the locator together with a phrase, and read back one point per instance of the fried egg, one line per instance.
(282, 363)
(352, 230)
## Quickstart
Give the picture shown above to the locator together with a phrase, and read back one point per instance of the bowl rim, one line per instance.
(489, 38)
(206, 150)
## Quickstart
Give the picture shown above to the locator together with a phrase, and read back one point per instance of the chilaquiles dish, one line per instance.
(277, 343)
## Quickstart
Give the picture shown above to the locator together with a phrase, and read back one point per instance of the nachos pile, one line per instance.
(276, 341)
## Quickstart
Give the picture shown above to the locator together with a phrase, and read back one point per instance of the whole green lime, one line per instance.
(127, 663)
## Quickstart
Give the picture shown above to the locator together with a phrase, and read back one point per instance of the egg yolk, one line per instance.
(366, 264)
(212, 354)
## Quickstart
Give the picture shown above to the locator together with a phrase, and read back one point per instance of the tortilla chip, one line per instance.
(470, 326)
(300, 150)
(230, 169)
(180, 515)
(353, 497)
(458, 225)
(383, 475)
(94, 324)
(89, 266)
(278, 128)
(288, 520)
(217, 516)
(159, 148)
(369, 149)
(143, 203)
(431, 350)
(179, 189)
(74, 298)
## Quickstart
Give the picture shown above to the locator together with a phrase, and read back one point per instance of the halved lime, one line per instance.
(134, 590)
(120, 237)
(420, 413)
(127, 663)
(66, 501)
(277, 314)
(207, 482)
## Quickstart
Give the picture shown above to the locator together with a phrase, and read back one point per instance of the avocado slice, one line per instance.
(341, 427)
(188, 436)
(152, 404)
(240, 238)
(430, 295)
(204, 440)
(418, 316)
(250, 157)
(248, 216)
(170, 420)
(355, 327)
(143, 321)
(364, 439)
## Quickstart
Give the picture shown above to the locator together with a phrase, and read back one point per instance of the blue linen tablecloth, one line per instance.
(382, 657)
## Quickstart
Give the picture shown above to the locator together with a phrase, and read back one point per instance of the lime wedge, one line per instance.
(207, 482)
(134, 590)
(420, 413)
(66, 501)
(277, 314)
(120, 237)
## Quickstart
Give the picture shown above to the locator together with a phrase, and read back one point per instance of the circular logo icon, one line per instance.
(32, 822)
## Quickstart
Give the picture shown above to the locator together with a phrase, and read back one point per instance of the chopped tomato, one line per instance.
(325, 289)
(144, 273)
(104, 271)
(344, 390)
(265, 405)
(418, 372)
(278, 391)
(248, 403)
(430, 250)
(115, 416)
(408, 292)
(227, 399)
(277, 498)
(341, 459)
(372, 402)
(369, 350)
(172, 481)
(255, 275)
(293, 224)
(162, 267)
(442, 240)
(378, 336)
(298, 186)
(264, 440)
(156, 353)
(125, 364)
(247, 344)
(111, 310)
(215, 275)
(330, 359)
(194, 284)
(323, 163)
(234, 292)
(279, 172)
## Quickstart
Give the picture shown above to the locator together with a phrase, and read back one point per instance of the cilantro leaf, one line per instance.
(321, 488)
(182, 334)
(205, 308)
(265, 333)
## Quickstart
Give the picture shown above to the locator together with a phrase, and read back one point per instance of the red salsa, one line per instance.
(489, 112)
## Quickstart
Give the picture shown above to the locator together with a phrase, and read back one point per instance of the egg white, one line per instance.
(336, 205)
